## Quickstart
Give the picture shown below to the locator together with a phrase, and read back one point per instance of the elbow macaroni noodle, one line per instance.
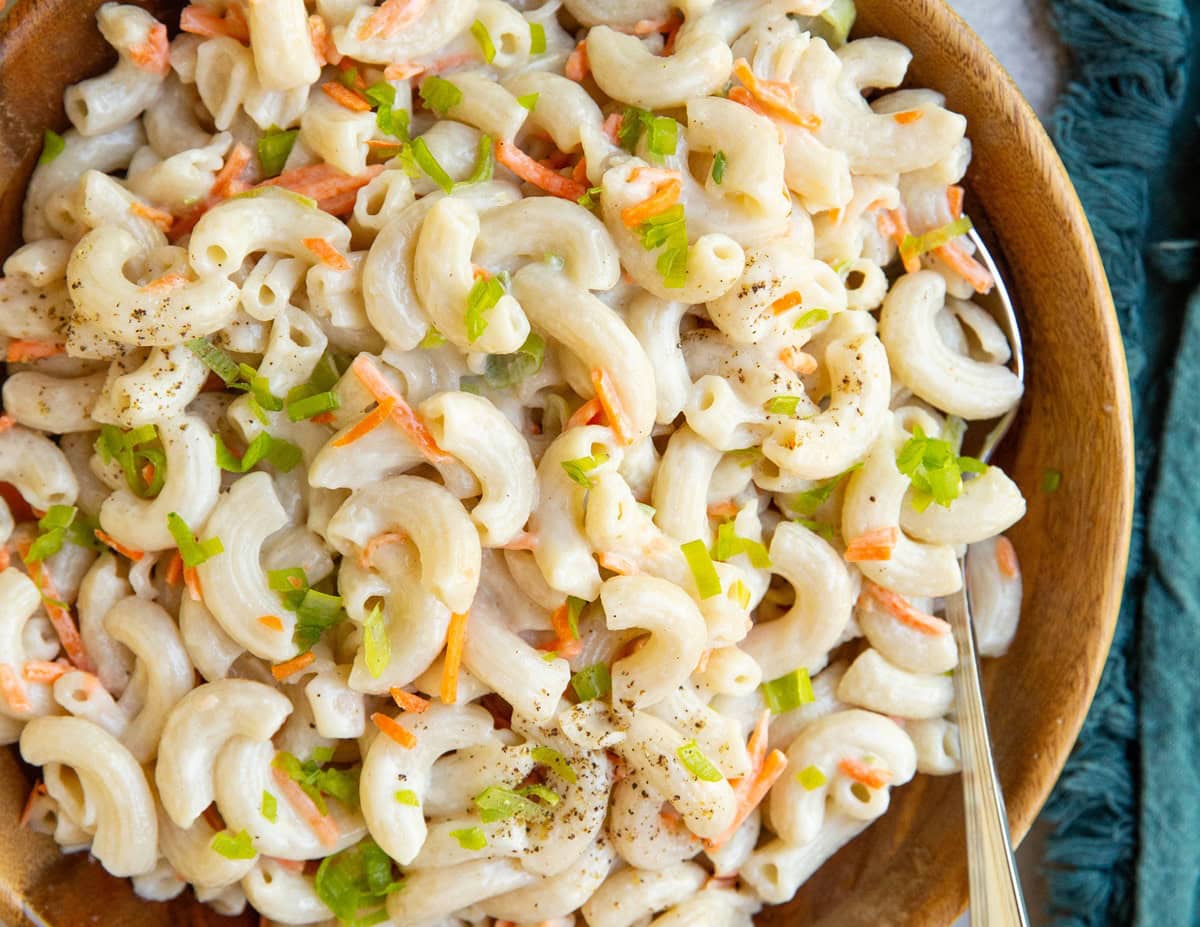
(481, 446)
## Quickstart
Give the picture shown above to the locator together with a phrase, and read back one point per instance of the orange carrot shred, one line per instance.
(566, 645)
(191, 579)
(954, 199)
(21, 351)
(873, 545)
(861, 772)
(894, 224)
(160, 217)
(617, 563)
(750, 792)
(200, 20)
(344, 96)
(529, 170)
(614, 411)
(367, 423)
(12, 690)
(587, 414)
(274, 622)
(1006, 557)
(291, 667)
(228, 179)
(523, 541)
(393, 729)
(902, 610)
(663, 198)
(456, 635)
(612, 125)
(786, 301)
(798, 361)
(318, 35)
(132, 553)
(6, 422)
(577, 66)
(174, 569)
(152, 54)
(775, 97)
(390, 17)
(325, 418)
(726, 509)
(409, 701)
(322, 825)
(909, 116)
(58, 613)
(367, 554)
(43, 670)
(329, 255)
(959, 260)
(324, 183)
(402, 413)
(402, 70)
(164, 283)
(39, 788)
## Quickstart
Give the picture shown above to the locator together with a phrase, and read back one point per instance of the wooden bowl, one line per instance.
(909, 868)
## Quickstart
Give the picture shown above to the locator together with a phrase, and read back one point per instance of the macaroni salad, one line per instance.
(471, 461)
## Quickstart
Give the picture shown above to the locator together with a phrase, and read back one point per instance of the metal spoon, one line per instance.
(996, 899)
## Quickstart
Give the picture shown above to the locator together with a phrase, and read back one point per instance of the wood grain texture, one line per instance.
(910, 867)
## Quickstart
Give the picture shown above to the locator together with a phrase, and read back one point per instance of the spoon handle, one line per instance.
(996, 899)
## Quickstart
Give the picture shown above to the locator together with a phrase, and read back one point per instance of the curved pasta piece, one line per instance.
(211, 650)
(558, 895)
(102, 588)
(677, 638)
(112, 782)
(190, 852)
(628, 71)
(428, 514)
(824, 603)
(929, 650)
(284, 56)
(632, 895)
(777, 870)
(160, 387)
(37, 468)
(937, 745)
(56, 405)
(655, 324)
(995, 595)
(643, 838)
(435, 27)
(989, 504)
(400, 828)
(190, 490)
(830, 744)
(681, 485)
(432, 894)
(925, 364)
(284, 895)
(19, 601)
(872, 682)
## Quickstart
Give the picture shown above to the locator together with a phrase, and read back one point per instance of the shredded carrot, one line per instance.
(191, 579)
(43, 670)
(228, 179)
(662, 199)
(329, 255)
(132, 553)
(456, 635)
(523, 541)
(12, 690)
(556, 161)
(617, 563)
(726, 509)
(587, 414)
(21, 352)
(655, 174)
(402, 70)
(402, 413)
(786, 301)
(212, 817)
(959, 260)
(39, 788)
(387, 537)
(902, 610)
(954, 199)
(530, 171)
(5, 559)
(566, 644)
(322, 825)
(165, 283)
(323, 182)
(160, 217)
(775, 97)
(390, 17)
(409, 701)
(291, 667)
(325, 418)
(367, 423)
(344, 96)
(274, 622)
(58, 613)
(200, 20)
(893, 223)
(612, 126)
(152, 54)
(861, 772)
(481, 273)
(393, 729)
(651, 26)
(798, 361)
(323, 47)
(750, 792)
(577, 66)
(148, 472)
(174, 569)
(614, 411)
(6, 422)
(873, 545)
(291, 865)
(909, 116)
(1006, 557)
(756, 743)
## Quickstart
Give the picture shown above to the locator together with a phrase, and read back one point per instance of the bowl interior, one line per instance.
(910, 867)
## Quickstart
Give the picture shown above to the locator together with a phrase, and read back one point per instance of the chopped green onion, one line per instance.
(575, 607)
(192, 551)
(592, 682)
(377, 648)
(811, 778)
(317, 613)
(919, 244)
(812, 317)
(321, 754)
(470, 838)
(697, 763)
(788, 692)
(496, 803)
(1051, 480)
(839, 17)
(782, 405)
(126, 448)
(269, 806)
(61, 523)
(485, 164)
(718, 167)
(590, 198)
(471, 383)
(433, 339)
(440, 95)
(348, 78)
(668, 230)
(317, 781)
(484, 38)
(214, 359)
(388, 119)
(555, 761)
(740, 593)
(381, 94)
(52, 146)
(747, 456)
(355, 879)
(537, 39)
(548, 797)
(807, 502)
(407, 797)
(504, 370)
(528, 100)
(934, 469)
(817, 527)
(579, 468)
(308, 406)
(282, 455)
(234, 846)
(662, 132)
(425, 160)
(729, 545)
(274, 147)
(485, 293)
(708, 584)
(290, 585)
(259, 387)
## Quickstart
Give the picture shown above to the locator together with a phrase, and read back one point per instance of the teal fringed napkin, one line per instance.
(1126, 845)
